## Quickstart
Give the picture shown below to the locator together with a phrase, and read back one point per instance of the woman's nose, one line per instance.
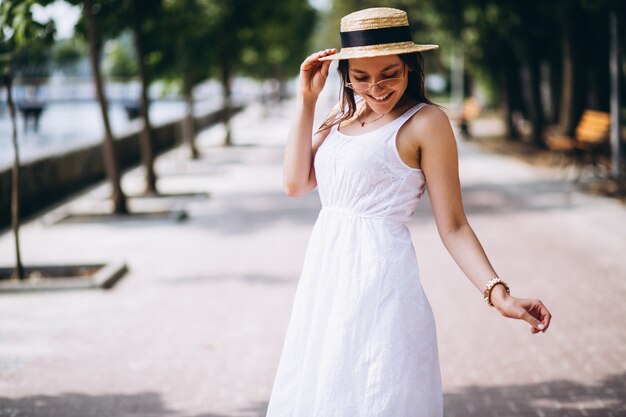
(376, 88)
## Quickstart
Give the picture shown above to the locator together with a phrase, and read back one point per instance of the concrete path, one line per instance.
(196, 327)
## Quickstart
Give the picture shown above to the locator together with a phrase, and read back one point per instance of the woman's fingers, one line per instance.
(532, 320)
(313, 72)
(325, 68)
(529, 310)
(537, 315)
(545, 316)
(314, 58)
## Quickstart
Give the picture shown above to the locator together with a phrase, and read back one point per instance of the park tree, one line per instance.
(492, 38)
(584, 36)
(570, 39)
(280, 43)
(181, 42)
(19, 32)
(266, 40)
(231, 20)
(137, 17)
(519, 50)
(142, 13)
(522, 49)
(89, 26)
(90, 11)
(219, 39)
(113, 18)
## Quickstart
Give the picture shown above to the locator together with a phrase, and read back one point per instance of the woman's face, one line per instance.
(381, 99)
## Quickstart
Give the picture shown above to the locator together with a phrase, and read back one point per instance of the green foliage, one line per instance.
(493, 33)
(279, 41)
(67, 53)
(115, 20)
(111, 15)
(262, 39)
(32, 62)
(120, 58)
(192, 40)
(180, 41)
(22, 37)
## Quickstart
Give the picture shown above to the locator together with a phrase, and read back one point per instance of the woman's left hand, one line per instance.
(530, 310)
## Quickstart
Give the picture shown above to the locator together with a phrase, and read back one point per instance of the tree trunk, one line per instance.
(512, 133)
(574, 74)
(513, 97)
(615, 75)
(189, 130)
(145, 136)
(110, 156)
(281, 79)
(226, 92)
(556, 85)
(533, 98)
(15, 182)
(600, 86)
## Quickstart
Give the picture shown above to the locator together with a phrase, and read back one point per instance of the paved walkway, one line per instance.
(197, 325)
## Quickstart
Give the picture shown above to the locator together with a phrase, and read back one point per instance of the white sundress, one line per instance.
(361, 340)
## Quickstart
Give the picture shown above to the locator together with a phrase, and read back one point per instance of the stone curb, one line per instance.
(106, 277)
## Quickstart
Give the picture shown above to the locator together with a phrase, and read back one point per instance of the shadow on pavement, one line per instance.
(556, 398)
(251, 278)
(548, 399)
(508, 198)
(244, 213)
(146, 404)
(249, 212)
(78, 405)
(258, 409)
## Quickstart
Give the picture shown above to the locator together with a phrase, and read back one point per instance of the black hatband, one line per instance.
(376, 36)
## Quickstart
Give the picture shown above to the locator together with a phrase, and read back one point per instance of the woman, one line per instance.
(361, 340)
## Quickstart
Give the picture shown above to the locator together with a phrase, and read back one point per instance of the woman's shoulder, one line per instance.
(429, 122)
(429, 115)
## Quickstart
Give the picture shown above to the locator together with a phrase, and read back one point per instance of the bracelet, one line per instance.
(492, 283)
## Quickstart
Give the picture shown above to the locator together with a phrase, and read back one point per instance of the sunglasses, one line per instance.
(361, 87)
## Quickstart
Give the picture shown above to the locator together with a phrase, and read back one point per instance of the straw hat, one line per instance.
(375, 32)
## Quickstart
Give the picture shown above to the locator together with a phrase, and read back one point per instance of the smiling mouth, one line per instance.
(381, 98)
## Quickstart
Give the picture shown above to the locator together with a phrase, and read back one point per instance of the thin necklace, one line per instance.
(358, 116)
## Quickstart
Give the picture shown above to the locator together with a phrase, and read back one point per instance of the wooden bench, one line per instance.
(589, 144)
(471, 110)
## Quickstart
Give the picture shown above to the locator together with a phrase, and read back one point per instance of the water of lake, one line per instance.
(65, 126)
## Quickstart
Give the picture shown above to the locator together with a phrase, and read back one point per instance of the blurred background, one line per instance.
(144, 139)
(535, 64)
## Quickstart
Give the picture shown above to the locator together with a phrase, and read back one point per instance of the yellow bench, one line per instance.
(589, 144)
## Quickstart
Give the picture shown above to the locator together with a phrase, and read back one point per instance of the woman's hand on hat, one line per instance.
(530, 310)
(313, 73)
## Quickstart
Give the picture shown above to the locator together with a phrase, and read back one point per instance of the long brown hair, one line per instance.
(415, 88)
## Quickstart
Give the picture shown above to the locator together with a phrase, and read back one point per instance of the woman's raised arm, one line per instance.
(298, 173)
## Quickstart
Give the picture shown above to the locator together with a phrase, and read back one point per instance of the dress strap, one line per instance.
(408, 114)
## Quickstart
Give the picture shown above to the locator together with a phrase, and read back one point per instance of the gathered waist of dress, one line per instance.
(356, 213)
